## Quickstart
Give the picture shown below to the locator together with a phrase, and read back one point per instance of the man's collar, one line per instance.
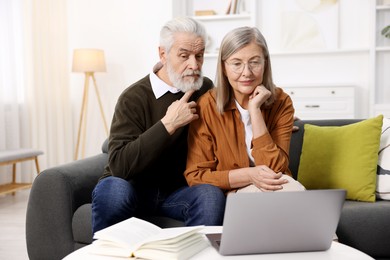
(160, 87)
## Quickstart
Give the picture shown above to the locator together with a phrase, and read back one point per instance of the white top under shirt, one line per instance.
(246, 119)
(160, 87)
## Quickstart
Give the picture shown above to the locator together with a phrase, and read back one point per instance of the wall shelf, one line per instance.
(353, 52)
(379, 49)
(380, 57)
(230, 17)
(383, 7)
(320, 52)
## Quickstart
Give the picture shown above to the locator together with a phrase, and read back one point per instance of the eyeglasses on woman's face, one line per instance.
(238, 66)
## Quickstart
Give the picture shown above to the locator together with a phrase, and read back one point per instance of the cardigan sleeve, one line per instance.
(202, 163)
(272, 149)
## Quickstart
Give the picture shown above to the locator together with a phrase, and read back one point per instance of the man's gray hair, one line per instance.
(177, 25)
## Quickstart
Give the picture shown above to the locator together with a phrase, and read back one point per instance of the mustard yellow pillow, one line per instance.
(342, 157)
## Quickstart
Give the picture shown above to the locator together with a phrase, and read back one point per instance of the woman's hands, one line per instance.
(261, 176)
(266, 179)
(259, 95)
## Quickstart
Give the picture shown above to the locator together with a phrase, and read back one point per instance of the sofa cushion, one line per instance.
(342, 157)
(383, 171)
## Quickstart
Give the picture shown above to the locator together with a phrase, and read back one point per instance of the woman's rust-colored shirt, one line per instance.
(216, 142)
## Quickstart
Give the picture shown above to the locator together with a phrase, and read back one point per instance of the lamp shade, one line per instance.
(88, 60)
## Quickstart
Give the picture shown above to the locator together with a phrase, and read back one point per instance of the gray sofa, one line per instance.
(58, 219)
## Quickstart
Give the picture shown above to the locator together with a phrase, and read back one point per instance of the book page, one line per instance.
(172, 235)
(183, 250)
(124, 238)
(129, 233)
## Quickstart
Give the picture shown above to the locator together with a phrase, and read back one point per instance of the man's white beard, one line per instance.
(184, 85)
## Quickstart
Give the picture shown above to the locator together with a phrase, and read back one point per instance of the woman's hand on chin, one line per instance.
(259, 95)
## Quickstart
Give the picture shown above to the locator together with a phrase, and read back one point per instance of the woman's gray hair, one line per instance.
(178, 25)
(231, 43)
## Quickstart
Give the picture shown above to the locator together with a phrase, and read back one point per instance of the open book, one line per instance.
(138, 238)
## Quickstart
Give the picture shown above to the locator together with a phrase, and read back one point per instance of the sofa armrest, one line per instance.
(55, 195)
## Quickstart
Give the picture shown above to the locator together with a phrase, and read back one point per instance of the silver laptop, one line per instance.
(279, 222)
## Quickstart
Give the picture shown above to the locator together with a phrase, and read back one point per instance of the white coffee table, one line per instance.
(336, 251)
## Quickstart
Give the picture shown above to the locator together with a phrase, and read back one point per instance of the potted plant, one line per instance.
(386, 31)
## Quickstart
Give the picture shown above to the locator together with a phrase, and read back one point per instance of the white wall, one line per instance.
(128, 32)
(345, 61)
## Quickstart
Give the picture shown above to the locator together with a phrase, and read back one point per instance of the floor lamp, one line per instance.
(88, 61)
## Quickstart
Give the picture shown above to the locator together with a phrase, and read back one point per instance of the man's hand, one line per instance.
(180, 113)
(295, 128)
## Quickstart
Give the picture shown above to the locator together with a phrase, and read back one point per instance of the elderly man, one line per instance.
(148, 139)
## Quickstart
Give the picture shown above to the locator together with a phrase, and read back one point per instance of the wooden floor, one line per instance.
(12, 225)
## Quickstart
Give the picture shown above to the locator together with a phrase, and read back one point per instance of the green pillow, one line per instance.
(342, 157)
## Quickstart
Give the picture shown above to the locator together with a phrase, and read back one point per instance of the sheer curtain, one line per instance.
(35, 109)
(49, 98)
(14, 117)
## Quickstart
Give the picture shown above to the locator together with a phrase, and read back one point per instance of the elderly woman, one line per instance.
(243, 133)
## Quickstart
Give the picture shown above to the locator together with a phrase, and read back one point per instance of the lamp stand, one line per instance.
(83, 113)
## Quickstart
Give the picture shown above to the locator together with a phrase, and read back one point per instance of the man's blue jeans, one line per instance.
(115, 199)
